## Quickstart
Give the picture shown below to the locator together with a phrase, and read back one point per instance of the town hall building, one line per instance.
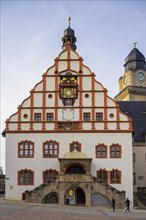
(69, 143)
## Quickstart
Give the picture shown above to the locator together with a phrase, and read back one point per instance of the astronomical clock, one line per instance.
(68, 89)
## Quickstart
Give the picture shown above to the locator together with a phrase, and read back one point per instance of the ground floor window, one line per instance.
(25, 177)
(49, 175)
(102, 175)
(115, 176)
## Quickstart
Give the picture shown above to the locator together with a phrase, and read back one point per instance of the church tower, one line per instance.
(132, 85)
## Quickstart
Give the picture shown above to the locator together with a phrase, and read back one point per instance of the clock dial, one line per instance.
(140, 76)
(125, 79)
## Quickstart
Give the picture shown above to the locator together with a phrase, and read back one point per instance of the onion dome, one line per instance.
(135, 60)
(69, 35)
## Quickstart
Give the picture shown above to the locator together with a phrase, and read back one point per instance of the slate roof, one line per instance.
(137, 111)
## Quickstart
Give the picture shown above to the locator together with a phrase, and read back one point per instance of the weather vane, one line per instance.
(69, 18)
(135, 44)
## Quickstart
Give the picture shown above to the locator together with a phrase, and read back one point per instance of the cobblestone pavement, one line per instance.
(10, 210)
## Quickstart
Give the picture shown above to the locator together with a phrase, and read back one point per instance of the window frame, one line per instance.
(30, 143)
(102, 171)
(115, 171)
(24, 178)
(50, 117)
(115, 151)
(36, 116)
(52, 149)
(99, 115)
(48, 171)
(101, 151)
(87, 116)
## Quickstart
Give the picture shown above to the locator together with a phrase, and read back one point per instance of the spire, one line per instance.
(135, 60)
(69, 35)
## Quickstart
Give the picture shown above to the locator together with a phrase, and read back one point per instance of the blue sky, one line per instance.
(31, 33)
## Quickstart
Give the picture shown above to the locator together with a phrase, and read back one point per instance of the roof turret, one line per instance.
(69, 35)
(135, 60)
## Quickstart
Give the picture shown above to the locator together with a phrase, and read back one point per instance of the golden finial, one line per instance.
(69, 18)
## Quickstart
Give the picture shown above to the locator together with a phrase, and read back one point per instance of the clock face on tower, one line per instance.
(140, 76)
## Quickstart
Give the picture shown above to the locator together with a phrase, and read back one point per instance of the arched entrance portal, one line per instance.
(80, 196)
(75, 196)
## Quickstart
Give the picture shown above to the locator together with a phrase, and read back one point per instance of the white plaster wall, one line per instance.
(50, 83)
(13, 126)
(124, 126)
(99, 99)
(38, 98)
(62, 66)
(51, 71)
(39, 164)
(112, 126)
(87, 126)
(50, 102)
(63, 55)
(39, 87)
(111, 111)
(73, 55)
(50, 126)
(110, 102)
(87, 101)
(98, 86)
(85, 70)
(99, 126)
(25, 126)
(37, 126)
(26, 103)
(25, 111)
(14, 117)
(74, 65)
(86, 83)
(123, 117)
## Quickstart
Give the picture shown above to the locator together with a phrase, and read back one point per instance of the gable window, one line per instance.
(49, 116)
(115, 151)
(115, 176)
(86, 116)
(99, 116)
(49, 175)
(50, 149)
(25, 177)
(102, 175)
(37, 116)
(75, 145)
(26, 149)
(101, 151)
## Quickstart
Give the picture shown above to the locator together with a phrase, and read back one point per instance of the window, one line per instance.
(99, 116)
(101, 151)
(37, 116)
(134, 178)
(102, 176)
(50, 149)
(86, 116)
(115, 176)
(25, 177)
(26, 149)
(49, 116)
(49, 175)
(75, 145)
(115, 151)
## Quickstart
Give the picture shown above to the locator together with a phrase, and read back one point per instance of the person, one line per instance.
(127, 205)
(113, 203)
